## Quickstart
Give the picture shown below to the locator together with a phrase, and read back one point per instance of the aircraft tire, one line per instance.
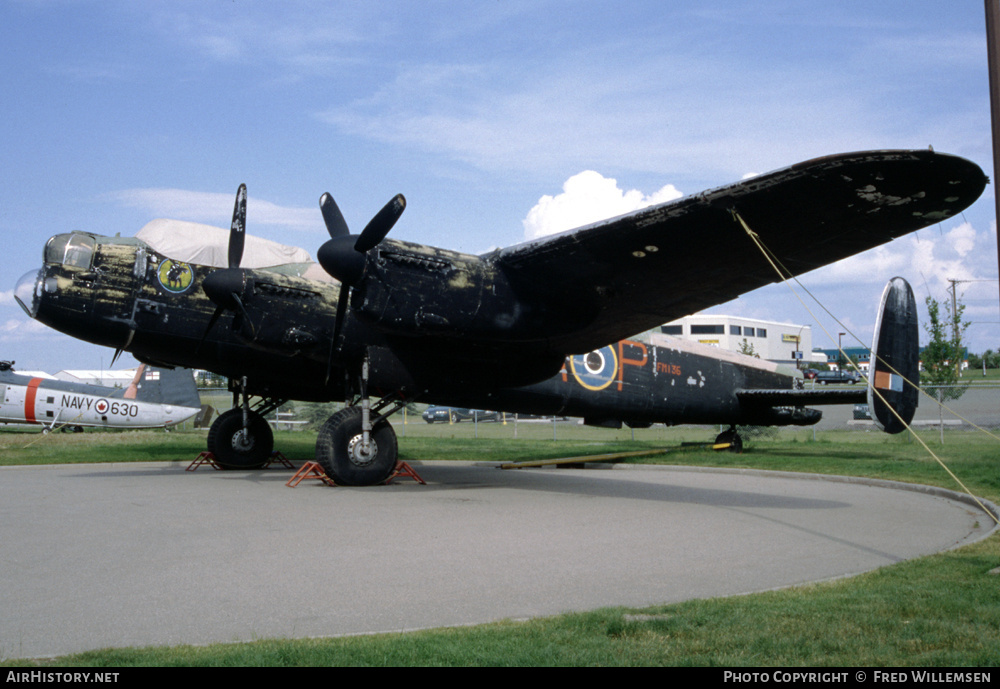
(235, 450)
(734, 440)
(213, 430)
(338, 450)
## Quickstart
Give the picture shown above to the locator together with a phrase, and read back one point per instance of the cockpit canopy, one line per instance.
(74, 251)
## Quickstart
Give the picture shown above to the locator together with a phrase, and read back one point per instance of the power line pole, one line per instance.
(993, 56)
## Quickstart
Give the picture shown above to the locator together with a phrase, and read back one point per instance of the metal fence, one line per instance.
(977, 405)
(963, 407)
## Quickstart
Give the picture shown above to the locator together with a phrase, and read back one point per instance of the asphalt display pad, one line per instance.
(144, 554)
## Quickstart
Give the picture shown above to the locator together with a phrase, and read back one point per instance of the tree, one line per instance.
(988, 359)
(747, 348)
(942, 357)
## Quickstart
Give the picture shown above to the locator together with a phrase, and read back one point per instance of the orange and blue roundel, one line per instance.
(595, 370)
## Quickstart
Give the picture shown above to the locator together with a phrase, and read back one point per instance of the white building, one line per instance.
(108, 379)
(787, 343)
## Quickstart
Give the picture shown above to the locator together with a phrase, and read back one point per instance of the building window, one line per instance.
(761, 332)
(748, 332)
(708, 330)
(672, 329)
(735, 330)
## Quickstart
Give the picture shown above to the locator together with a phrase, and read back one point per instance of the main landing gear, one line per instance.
(357, 446)
(241, 438)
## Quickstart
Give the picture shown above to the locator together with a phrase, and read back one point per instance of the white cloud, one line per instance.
(216, 208)
(21, 329)
(588, 197)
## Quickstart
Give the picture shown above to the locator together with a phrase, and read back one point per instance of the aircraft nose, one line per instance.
(28, 290)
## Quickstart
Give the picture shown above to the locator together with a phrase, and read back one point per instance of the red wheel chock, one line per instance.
(314, 471)
(404, 470)
(278, 458)
(209, 459)
(204, 458)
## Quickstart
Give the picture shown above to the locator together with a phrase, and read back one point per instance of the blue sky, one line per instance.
(116, 113)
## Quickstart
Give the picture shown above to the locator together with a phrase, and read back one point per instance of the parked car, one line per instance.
(457, 414)
(862, 412)
(483, 415)
(444, 414)
(830, 377)
(809, 373)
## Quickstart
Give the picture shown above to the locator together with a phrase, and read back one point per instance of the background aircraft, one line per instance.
(156, 398)
(404, 322)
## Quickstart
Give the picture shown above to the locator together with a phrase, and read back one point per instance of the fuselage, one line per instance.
(123, 294)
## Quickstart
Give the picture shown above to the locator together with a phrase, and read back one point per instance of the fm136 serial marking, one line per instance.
(156, 398)
(537, 327)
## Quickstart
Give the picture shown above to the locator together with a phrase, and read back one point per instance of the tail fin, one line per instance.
(894, 370)
(164, 386)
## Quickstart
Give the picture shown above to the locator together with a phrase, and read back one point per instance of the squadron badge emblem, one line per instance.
(174, 276)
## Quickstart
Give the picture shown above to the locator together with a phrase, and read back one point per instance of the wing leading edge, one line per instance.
(628, 274)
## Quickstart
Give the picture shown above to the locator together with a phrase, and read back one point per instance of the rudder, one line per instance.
(164, 386)
(894, 371)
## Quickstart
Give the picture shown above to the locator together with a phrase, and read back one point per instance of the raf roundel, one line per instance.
(595, 370)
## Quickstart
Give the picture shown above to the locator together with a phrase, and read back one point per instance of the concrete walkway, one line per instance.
(94, 556)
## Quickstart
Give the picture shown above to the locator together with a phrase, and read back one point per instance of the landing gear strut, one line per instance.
(357, 446)
(241, 438)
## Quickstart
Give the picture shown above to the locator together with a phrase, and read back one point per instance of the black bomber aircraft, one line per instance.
(541, 327)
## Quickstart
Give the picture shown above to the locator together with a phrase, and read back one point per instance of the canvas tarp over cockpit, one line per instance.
(205, 245)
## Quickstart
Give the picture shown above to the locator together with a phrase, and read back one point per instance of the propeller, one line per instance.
(345, 256)
(225, 285)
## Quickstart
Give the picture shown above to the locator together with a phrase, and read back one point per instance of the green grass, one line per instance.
(942, 610)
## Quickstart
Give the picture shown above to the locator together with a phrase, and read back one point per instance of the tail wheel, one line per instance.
(732, 438)
(340, 450)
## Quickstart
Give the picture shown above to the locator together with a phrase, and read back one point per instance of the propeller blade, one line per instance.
(345, 293)
(338, 326)
(334, 219)
(211, 324)
(379, 226)
(238, 228)
(245, 316)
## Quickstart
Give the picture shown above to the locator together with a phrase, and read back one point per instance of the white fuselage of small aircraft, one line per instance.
(53, 403)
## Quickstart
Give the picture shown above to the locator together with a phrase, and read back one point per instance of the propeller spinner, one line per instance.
(345, 255)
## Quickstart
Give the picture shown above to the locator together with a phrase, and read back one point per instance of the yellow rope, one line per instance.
(786, 278)
(54, 428)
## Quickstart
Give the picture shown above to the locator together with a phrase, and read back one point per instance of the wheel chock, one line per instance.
(404, 470)
(204, 458)
(311, 471)
(278, 458)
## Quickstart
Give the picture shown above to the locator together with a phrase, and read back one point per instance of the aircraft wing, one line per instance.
(615, 278)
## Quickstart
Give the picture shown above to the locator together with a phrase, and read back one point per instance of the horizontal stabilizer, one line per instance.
(894, 371)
